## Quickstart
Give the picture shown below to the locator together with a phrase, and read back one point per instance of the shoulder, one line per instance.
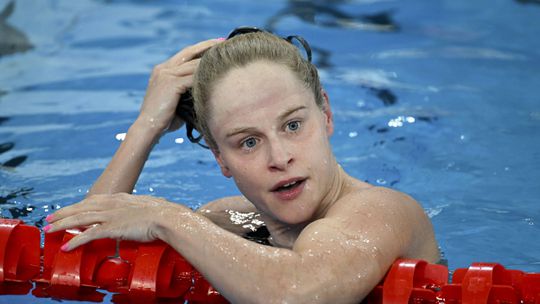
(380, 199)
(362, 234)
(379, 211)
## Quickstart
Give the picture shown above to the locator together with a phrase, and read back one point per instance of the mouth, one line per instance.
(289, 189)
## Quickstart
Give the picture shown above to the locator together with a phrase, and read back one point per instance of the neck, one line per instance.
(284, 235)
(338, 188)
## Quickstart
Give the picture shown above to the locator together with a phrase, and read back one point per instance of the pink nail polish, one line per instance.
(64, 247)
(47, 228)
(221, 38)
(48, 218)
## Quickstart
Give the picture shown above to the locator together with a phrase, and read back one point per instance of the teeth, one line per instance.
(289, 184)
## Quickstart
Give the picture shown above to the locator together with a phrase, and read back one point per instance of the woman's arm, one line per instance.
(337, 259)
(124, 169)
(168, 81)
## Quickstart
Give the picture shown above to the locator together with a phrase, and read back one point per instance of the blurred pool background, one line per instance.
(439, 99)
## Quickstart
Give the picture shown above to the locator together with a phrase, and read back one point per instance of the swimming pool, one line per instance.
(438, 99)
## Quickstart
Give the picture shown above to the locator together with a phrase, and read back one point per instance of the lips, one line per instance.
(289, 189)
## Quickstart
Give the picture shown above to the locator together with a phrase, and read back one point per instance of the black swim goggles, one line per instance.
(185, 109)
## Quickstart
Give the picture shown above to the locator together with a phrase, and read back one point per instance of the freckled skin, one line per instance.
(333, 240)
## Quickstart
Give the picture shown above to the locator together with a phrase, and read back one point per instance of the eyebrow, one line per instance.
(251, 129)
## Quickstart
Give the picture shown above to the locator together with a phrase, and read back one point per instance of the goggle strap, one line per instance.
(193, 139)
(302, 41)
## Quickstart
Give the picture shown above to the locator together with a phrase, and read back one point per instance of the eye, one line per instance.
(249, 143)
(293, 126)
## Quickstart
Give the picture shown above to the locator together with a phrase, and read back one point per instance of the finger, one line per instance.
(76, 221)
(191, 52)
(186, 69)
(96, 202)
(172, 73)
(85, 237)
(86, 205)
(185, 84)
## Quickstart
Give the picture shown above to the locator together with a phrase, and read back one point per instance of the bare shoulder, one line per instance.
(379, 210)
(385, 201)
(363, 233)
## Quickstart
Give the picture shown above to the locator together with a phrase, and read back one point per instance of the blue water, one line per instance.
(439, 99)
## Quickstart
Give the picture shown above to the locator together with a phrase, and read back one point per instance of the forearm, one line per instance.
(168, 81)
(238, 268)
(123, 171)
(342, 270)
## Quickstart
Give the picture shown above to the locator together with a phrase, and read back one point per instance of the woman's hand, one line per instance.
(118, 216)
(168, 81)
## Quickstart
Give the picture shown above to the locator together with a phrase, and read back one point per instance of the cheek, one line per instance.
(318, 142)
(244, 171)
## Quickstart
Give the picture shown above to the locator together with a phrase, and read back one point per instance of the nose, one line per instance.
(279, 155)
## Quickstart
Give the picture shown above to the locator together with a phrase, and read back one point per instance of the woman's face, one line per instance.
(273, 140)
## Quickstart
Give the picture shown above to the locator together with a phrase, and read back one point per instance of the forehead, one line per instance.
(260, 86)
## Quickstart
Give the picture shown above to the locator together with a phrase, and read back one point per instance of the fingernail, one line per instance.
(48, 218)
(47, 228)
(221, 38)
(64, 247)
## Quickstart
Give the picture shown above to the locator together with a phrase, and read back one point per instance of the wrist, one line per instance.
(169, 219)
(145, 128)
(151, 125)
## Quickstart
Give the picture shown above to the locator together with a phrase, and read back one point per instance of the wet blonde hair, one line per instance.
(238, 52)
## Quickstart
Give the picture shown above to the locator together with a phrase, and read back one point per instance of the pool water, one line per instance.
(439, 99)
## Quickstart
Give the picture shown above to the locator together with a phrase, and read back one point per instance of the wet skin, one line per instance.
(334, 236)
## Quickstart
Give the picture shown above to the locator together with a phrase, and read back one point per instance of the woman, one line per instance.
(264, 115)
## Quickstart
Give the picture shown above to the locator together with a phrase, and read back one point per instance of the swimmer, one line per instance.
(264, 115)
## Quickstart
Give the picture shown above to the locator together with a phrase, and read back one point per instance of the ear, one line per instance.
(329, 119)
(224, 169)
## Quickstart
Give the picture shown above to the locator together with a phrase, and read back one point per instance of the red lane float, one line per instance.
(141, 271)
(415, 281)
(145, 271)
